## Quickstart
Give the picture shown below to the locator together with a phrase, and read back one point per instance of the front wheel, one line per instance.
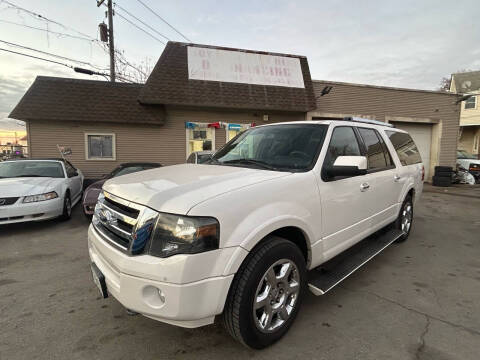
(266, 293)
(67, 208)
(405, 219)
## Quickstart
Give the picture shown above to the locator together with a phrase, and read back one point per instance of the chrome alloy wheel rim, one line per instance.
(407, 215)
(276, 295)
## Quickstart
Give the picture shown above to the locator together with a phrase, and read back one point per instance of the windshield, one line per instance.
(15, 169)
(462, 154)
(128, 170)
(289, 147)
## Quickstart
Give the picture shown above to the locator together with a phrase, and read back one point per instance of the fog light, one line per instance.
(153, 296)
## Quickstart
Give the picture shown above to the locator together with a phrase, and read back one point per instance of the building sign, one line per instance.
(243, 67)
(64, 150)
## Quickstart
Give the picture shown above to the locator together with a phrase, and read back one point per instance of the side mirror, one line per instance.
(347, 166)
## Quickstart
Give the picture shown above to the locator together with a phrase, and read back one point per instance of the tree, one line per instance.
(132, 72)
(445, 82)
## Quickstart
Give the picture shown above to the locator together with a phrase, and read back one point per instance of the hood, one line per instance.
(17, 187)
(96, 185)
(468, 161)
(91, 192)
(176, 189)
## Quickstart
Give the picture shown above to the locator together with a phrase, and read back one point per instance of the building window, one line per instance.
(471, 103)
(99, 146)
(200, 139)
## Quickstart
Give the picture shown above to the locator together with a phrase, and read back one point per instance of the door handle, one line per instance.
(396, 178)
(364, 187)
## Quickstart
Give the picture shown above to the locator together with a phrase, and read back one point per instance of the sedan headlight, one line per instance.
(40, 197)
(173, 234)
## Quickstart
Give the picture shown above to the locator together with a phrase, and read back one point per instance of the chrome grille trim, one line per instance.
(113, 226)
(107, 238)
(123, 201)
(129, 220)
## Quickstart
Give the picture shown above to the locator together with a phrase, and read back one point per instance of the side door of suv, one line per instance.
(384, 177)
(347, 203)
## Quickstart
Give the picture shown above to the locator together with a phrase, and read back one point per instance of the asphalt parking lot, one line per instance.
(417, 300)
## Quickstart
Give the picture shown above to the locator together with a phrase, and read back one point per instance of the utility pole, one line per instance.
(111, 45)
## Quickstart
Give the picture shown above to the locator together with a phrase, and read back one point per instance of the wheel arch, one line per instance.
(293, 232)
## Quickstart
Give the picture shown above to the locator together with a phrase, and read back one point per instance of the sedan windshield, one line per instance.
(288, 147)
(126, 170)
(27, 168)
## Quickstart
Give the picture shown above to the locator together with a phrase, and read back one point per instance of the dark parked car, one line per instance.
(199, 157)
(91, 193)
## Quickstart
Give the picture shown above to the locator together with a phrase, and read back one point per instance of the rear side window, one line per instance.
(405, 147)
(343, 143)
(377, 159)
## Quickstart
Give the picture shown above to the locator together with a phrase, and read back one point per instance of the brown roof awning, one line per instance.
(169, 83)
(52, 98)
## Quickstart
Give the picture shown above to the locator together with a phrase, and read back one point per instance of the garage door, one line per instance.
(422, 135)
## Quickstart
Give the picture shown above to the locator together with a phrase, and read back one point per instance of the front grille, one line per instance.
(121, 208)
(8, 201)
(116, 219)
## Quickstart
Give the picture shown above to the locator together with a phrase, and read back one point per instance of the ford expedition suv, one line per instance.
(280, 209)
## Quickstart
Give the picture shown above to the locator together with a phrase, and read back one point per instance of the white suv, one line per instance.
(245, 235)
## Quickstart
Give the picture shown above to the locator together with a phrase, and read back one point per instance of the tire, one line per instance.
(405, 214)
(252, 281)
(67, 208)
(441, 181)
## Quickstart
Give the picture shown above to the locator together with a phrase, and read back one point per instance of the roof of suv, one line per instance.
(338, 122)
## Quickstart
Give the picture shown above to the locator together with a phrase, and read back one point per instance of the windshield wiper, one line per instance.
(30, 175)
(251, 162)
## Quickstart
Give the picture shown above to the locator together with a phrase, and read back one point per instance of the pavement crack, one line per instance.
(421, 347)
(430, 317)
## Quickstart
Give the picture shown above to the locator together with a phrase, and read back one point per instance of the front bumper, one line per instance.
(36, 211)
(183, 290)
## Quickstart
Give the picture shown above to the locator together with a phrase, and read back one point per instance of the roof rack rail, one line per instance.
(367, 121)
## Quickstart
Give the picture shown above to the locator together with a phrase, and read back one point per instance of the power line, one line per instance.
(36, 57)
(41, 17)
(138, 27)
(47, 60)
(139, 20)
(50, 54)
(49, 31)
(165, 21)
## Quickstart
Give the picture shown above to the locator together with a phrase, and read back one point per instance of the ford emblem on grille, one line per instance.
(107, 217)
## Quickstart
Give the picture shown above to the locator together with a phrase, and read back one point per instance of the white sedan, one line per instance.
(34, 190)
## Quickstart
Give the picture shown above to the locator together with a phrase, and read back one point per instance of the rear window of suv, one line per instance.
(405, 147)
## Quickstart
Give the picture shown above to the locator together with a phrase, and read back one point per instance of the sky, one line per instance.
(410, 44)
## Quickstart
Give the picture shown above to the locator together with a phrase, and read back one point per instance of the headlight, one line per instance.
(173, 234)
(40, 197)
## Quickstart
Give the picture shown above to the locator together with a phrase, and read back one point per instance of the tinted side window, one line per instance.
(388, 156)
(343, 143)
(405, 147)
(375, 155)
(71, 172)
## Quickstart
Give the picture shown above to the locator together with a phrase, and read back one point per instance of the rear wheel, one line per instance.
(67, 207)
(266, 293)
(405, 218)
